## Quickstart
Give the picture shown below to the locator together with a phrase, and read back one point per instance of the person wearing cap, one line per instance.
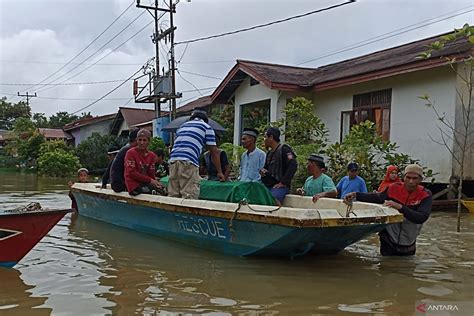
(352, 182)
(111, 153)
(253, 159)
(191, 137)
(409, 198)
(140, 167)
(117, 170)
(318, 184)
(280, 165)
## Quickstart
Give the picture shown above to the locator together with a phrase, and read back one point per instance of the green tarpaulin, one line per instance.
(235, 191)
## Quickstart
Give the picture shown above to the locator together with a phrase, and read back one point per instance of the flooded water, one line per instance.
(85, 267)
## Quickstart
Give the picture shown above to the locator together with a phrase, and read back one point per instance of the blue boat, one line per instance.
(297, 228)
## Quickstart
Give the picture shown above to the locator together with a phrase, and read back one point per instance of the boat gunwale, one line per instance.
(261, 217)
(35, 213)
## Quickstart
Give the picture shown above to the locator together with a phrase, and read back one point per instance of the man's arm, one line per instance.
(378, 198)
(421, 214)
(292, 165)
(216, 160)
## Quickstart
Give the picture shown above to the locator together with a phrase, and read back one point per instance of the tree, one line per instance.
(40, 120)
(60, 119)
(92, 152)
(9, 112)
(55, 161)
(225, 117)
(456, 135)
(302, 126)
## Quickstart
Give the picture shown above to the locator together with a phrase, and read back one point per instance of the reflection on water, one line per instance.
(88, 267)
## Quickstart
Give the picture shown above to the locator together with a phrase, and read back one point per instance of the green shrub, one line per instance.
(57, 163)
(155, 143)
(373, 154)
(92, 152)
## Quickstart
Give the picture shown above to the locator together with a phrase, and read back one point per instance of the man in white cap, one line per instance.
(253, 159)
(409, 198)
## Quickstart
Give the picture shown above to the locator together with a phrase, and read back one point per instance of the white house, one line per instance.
(383, 87)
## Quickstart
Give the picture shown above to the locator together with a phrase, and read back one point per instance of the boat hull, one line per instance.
(469, 204)
(20, 232)
(232, 236)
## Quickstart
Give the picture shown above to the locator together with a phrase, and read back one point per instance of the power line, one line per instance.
(98, 50)
(189, 82)
(108, 93)
(200, 75)
(62, 84)
(58, 63)
(266, 24)
(91, 99)
(84, 49)
(383, 37)
(103, 57)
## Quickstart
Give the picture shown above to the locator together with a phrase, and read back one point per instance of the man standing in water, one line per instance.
(409, 198)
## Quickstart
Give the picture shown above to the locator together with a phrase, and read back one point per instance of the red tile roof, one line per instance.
(387, 62)
(87, 121)
(198, 103)
(53, 133)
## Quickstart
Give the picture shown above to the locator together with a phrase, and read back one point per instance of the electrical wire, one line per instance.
(265, 24)
(198, 90)
(383, 37)
(98, 50)
(103, 57)
(62, 84)
(200, 75)
(85, 48)
(108, 93)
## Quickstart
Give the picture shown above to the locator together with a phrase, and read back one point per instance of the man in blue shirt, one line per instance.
(253, 159)
(352, 182)
(192, 136)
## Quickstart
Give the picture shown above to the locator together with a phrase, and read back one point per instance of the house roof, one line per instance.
(383, 63)
(87, 121)
(53, 133)
(132, 117)
(198, 103)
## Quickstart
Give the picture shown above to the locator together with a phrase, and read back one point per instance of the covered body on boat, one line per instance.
(298, 227)
(22, 229)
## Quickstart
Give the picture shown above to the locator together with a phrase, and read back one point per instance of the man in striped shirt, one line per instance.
(191, 138)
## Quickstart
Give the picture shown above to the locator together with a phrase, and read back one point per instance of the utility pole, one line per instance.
(163, 84)
(28, 96)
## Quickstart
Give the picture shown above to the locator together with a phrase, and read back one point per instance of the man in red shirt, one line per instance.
(140, 167)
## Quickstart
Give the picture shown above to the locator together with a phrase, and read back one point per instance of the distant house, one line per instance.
(82, 129)
(383, 87)
(127, 118)
(3, 137)
(54, 134)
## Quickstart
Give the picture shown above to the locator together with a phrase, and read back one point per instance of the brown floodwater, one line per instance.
(85, 267)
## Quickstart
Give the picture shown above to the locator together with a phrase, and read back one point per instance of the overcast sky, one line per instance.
(38, 37)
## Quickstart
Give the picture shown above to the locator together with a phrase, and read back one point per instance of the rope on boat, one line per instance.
(349, 210)
(234, 215)
(32, 207)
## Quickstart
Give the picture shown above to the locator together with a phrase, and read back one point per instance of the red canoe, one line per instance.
(21, 230)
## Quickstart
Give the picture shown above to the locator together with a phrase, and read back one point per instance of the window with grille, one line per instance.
(373, 106)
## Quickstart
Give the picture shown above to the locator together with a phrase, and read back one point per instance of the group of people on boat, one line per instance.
(133, 168)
